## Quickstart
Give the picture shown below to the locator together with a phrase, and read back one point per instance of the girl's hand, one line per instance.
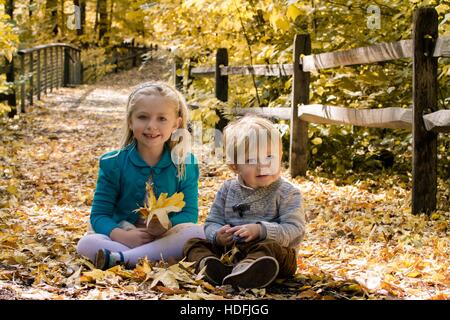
(140, 223)
(155, 228)
(131, 238)
(249, 231)
(222, 237)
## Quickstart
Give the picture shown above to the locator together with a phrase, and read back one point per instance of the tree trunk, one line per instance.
(102, 20)
(111, 10)
(10, 98)
(63, 20)
(52, 11)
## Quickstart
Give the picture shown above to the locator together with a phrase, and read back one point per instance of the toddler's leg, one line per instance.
(206, 256)
(264, 261)
(89, 245)
(171, 245)
(198, 248)
(286, 257)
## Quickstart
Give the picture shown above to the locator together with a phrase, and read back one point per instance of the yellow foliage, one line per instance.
(155, 211)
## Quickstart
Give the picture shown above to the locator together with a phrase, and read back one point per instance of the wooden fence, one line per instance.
(46, 67)
(424, 48)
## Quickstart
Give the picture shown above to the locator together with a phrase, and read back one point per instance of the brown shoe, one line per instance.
(215, 269)
(251, 273)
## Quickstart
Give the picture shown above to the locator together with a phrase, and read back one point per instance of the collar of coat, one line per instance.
(164, 162)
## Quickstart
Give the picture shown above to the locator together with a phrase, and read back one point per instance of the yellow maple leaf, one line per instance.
(156, 211)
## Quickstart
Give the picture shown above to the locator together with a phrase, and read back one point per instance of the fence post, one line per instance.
(38, 74)
(424, 184)
(300, 95)
(81, 72)
(66, 67)
(134, 55)
(52, 64)
(11, 96)
(45, 67)
(115, 61)
(22, 82)
(61, 67)
(177, 73)
(58, 67)
(188, 79)
(221, 84)
(56, 84)
(30, 97)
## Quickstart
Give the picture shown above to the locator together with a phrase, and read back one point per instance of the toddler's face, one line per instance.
(261, 170)
(153, 121)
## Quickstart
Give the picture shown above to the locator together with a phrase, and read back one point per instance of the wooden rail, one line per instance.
(47, 67)
(314, 62)
(43, 68)
(424, 48)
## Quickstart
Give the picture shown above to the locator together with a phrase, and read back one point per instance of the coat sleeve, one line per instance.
(216, 216)
(189, 186)
(105, 197)
(290, 229)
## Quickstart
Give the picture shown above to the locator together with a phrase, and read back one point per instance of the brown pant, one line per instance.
(196, 249)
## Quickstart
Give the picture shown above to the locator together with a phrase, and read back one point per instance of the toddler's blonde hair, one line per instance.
(237, 135)
(159, 89)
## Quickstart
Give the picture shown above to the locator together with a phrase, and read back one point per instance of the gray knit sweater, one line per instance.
(277, 207)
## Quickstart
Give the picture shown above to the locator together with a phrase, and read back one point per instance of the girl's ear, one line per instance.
(179, 122)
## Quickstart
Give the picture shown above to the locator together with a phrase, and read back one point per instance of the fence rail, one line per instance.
(314, 62)
(42, 68)
(46, 67)
(424, 48)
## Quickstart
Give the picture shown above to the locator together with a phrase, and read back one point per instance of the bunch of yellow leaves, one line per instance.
(156, 212)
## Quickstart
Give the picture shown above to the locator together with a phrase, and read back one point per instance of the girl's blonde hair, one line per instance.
(238, 135)
(160, 89)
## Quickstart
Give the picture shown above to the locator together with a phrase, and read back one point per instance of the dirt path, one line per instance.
(360, 243)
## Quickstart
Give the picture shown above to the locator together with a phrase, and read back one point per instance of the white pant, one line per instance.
(169, 246)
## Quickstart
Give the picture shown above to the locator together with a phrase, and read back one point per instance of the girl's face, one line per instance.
(153, 121)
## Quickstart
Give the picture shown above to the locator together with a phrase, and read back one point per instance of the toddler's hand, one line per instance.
(222, 237)
(248, 232)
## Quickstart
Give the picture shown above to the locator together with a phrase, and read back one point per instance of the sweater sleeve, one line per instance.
(104, 202)
(189, 186)
(216, 216)
(290, 229)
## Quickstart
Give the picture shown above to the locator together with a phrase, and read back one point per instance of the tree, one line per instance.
(7, 40)
(52, 11)
(102, 20)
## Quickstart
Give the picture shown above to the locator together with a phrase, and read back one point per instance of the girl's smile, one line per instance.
(151, 136)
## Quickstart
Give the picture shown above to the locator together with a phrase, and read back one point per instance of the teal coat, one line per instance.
(121, 187)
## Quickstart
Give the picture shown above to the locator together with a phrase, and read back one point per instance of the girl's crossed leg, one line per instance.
(168, 246)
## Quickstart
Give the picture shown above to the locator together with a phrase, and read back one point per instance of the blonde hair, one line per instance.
(238, 135)
(159, 89)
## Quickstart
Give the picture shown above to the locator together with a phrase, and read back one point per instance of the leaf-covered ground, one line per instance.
(362, 242)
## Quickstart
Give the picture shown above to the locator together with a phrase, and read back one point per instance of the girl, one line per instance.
(149, 154)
